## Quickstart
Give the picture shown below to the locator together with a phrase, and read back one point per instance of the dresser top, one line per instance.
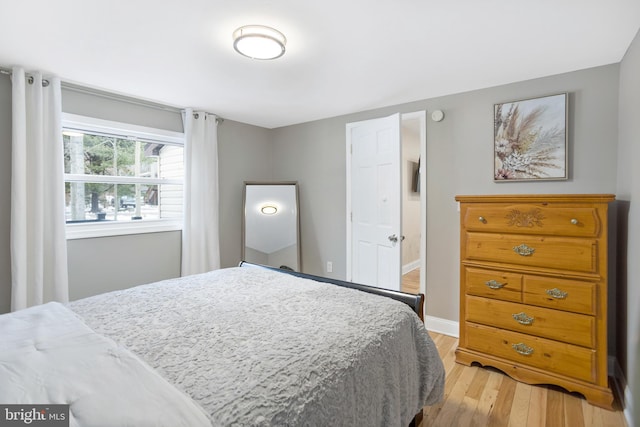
(538, 198)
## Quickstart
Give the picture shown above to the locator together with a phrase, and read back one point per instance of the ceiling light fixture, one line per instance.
(268, 210)
(259, 42)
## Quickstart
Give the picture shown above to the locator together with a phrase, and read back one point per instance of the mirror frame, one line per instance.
(244, 215)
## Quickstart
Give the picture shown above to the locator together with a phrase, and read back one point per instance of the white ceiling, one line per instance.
(342, 56)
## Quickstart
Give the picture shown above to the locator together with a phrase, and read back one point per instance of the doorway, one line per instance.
(411, 138)
(401, 183)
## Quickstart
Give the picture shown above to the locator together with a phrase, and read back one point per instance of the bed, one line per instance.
(243, 346)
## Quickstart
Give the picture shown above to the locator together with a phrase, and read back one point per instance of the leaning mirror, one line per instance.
(271, 225)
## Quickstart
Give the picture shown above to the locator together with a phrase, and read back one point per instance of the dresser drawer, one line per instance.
(565, 359)
(564, 253)
(494, 284)
(558, 325)
(533, 219)
(562, 294)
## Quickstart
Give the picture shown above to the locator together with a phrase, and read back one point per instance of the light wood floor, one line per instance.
(411, 282)
(476, 396)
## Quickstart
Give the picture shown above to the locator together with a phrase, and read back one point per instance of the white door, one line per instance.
(374, 196)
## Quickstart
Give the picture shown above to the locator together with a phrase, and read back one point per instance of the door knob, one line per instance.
(393, 238)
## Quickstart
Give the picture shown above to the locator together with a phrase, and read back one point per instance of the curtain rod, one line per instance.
(112, 96)
(196, 115)
(30, 80)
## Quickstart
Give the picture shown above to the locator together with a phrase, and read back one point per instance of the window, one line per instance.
(121, 178)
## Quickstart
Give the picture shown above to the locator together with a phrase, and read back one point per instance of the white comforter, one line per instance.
(48, 355)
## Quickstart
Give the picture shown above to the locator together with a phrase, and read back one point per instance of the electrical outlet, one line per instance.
(329, 267)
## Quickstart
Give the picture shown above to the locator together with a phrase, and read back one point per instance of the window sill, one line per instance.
(93, 229)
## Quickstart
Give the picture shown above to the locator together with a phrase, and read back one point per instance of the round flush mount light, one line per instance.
(259, 42)
(268, 210)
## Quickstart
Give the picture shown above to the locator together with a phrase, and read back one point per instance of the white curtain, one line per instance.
(200, 232)
(38, 244)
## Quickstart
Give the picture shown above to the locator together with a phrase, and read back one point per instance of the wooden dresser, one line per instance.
(533, 289)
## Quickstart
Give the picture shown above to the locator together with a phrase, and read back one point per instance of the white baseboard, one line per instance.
(621, 389)
(410, 267)
(628, 406)
(442, 326)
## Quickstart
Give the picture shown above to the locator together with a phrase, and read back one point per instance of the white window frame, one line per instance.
(126, 131)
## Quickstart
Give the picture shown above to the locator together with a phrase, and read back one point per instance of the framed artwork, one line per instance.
(530, 139)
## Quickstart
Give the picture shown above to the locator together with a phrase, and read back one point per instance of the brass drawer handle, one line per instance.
(574, 221)
(524, 250)
(523, 319)
(494, 284)
(482, 219)
(523, 349)
(557, 293)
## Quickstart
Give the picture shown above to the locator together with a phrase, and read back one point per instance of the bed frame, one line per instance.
(415, 301)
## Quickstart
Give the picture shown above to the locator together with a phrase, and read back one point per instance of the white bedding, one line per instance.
(48, 355)
(255, 347)
(233, 347)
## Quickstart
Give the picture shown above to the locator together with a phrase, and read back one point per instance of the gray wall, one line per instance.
(104, 264)
(119, 109)
(629, 220)
(109, 263)
(5, 193)
(459, 161)
(245, 154)
(314, 155)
